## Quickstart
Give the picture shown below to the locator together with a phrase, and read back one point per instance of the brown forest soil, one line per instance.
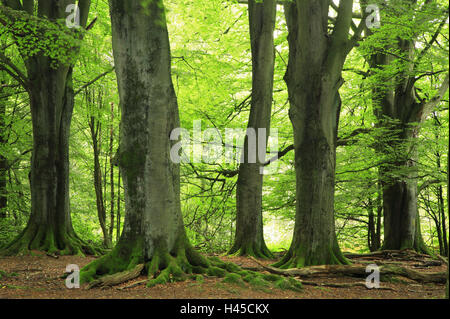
(40, 277)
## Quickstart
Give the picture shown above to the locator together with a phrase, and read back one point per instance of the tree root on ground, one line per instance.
(39, 240)
(358, 271)
(252, 250)
(118, 278)
(405, 254)
(341, 285)
(124, 264)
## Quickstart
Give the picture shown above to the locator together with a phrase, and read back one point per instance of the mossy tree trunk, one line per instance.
(249, 238)
(49, 85)
(313, 78)
(400, 112)
(153, 232)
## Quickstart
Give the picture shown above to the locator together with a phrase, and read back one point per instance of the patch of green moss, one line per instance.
(231, 267)
(288, 284)
(216, 272)
(232, 278)
(244, 273)
(198, 278)
(270, 277)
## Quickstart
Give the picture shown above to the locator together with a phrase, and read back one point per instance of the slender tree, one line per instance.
(3, 141)
(94, 100)
(249, 238)
(48, 81)
(313, 78)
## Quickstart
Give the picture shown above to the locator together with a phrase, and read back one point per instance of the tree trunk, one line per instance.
(50, 227)
(95, 128)
(111, 173)
(3, 160)
(118, 207)
(249, 238)
(401, 230)
(153, 232)
(448, 214)
(49, 85)
(315, 66)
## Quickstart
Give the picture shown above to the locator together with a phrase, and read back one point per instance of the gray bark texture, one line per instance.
(49, 85)
(313, 78)
(153, 232)
(398, 109)
(249, 238)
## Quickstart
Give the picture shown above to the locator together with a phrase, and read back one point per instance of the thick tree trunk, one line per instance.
(249, 239)
(398, 109)
(401, 219)
(49, 85)
(399, 184)
(153, 232)
(50, 227)
(313, 78)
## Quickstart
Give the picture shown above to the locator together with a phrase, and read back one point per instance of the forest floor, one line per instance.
(41, 277)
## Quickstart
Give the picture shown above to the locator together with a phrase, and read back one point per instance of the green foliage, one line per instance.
(211, 64)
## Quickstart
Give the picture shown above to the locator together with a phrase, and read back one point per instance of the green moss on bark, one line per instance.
(44, 239)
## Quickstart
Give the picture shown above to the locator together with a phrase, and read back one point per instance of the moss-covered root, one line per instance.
(298, 258)
(165, 267)
(233, 274)
(251, 249)
(47, 241)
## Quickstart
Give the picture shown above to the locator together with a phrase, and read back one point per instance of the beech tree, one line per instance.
(153, 237)
(249, 238)
(313, 78)
(153, 232)
(401, 110)
(48, 81)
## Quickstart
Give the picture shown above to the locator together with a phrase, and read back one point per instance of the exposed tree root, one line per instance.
(251, 249)
(41, 239)
(359, 271)
(341, 285)
(127, 262)
(403, 254)
(298, 258)
(118, 278)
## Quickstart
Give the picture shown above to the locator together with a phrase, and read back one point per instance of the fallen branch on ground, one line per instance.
(358, 271)
(341, 285)
(118, 278)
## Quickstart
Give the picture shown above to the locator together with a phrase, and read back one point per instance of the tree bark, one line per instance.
(249, 238)
(111, 174)
(52, 100)
(3, 160)
(313, 79)
(153, 232)
(397, 109)
(95, 128)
